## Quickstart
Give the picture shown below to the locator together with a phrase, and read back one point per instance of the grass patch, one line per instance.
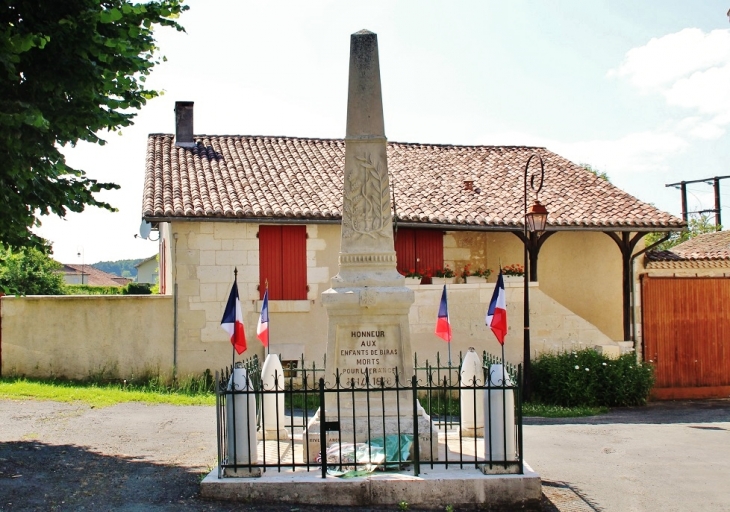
(102, 395)
(557, 411)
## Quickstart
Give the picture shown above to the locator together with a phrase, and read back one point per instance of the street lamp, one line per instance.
(535, 221)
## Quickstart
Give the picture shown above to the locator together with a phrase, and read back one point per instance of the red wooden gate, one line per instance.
(686, 333)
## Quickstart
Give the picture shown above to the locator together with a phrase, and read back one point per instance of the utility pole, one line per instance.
(715, 182)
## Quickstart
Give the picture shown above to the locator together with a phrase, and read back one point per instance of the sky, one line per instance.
(639, 90)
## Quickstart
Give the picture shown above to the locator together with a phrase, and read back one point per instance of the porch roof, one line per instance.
(706, 247)
(290, 179)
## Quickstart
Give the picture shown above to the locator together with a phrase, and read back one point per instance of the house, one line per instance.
(684, 319)
(86, 274)
(270, 207)
(147, 270)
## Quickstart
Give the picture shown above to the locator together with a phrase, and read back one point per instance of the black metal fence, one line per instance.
(432, 419)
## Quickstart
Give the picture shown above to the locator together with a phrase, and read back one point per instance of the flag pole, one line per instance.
(450, 335)
(502, 364)
(233, 348)
(268, 345)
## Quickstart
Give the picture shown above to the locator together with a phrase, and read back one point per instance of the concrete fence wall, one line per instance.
(553, 327)
(125, 336)
(83, 336)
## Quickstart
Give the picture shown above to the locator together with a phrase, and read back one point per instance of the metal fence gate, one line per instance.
(686, 335)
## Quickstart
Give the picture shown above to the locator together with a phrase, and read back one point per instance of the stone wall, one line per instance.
(204, 257)
(206, 253)
(579, 269)
(553, 327)
(108, 336)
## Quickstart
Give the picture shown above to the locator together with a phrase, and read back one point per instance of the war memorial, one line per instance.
(370, 441)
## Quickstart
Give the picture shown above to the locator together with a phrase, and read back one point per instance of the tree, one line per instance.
(29, 272)
(68, 70)
(123, 268)
(696, 225)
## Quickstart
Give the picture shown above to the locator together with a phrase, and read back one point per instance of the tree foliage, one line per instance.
(68, 70)
(119, 267)
(29, 272)
(696, 225)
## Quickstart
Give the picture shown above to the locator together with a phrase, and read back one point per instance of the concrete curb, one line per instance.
(434, 488)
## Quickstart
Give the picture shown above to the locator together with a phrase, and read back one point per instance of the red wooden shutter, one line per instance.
(294, 262)
(429, 249)
(405, 250)
(270, 261)
(419, 249)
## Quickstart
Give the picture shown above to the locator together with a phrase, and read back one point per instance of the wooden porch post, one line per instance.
(626, 244)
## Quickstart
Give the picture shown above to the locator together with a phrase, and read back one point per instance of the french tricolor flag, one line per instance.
(497, 313)
(443, 327)
(232, 321)
(262, 329)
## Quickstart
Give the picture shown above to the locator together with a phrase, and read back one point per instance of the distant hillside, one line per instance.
(122, 268)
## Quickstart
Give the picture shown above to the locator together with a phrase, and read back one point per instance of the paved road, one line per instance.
(136, 457)
(665, 457)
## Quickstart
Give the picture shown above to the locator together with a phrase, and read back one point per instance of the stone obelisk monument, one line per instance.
(368, 338)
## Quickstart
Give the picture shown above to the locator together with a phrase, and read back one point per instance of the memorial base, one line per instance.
(358, 433)
(472, 432)
(242, 472)
(273, 435)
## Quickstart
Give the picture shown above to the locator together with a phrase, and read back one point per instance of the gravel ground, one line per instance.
(138, 457)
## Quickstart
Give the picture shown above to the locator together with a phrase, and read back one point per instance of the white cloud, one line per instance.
(706, 91)
(691, 70)
(635, 152)
(666, 59)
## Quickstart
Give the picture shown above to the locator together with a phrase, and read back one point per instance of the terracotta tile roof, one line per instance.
(255, 177)
(93, 276)
(710, 246)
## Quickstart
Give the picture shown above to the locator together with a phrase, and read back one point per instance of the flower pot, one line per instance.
(476, 279)
(513, 279)
(442, 280)
(413, 281)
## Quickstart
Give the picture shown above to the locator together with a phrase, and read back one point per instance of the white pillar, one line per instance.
(472, 407)
(272, 397)
(499, 415)
(242, 445)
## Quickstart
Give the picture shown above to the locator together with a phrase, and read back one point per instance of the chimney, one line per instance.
(184, 124)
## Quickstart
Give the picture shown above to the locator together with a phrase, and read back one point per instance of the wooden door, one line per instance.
(686, 335)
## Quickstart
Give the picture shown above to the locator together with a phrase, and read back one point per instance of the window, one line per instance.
(419, 249)
(283, 262)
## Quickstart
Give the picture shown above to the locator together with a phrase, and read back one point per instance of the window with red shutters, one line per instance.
(283, 262)
(419, 249)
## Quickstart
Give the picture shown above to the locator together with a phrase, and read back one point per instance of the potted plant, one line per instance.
(443, 275)
(514, 272)
(482, 274)
(413, 277)
(465, 272)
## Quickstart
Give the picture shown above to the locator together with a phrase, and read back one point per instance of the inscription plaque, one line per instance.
(376, 348)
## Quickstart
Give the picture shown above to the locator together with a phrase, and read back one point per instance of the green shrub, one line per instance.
(87, 289)
(589, 379)
(137, 289)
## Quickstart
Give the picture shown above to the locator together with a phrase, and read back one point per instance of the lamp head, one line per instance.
(536, 217)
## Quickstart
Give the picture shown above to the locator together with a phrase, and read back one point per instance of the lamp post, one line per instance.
(534, 222)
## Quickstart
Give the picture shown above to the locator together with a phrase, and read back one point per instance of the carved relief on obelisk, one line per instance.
(366, 203)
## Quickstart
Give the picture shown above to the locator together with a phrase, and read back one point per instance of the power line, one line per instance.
(715, 182)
